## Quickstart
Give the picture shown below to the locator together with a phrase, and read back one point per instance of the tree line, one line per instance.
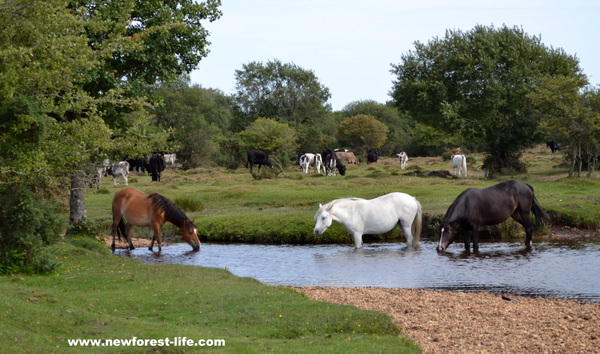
(86, 80)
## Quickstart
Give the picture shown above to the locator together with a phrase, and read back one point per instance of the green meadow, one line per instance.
(95, 295)
(278, 207)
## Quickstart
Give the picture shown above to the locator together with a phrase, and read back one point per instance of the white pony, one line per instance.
(459, 164)
(309, 159)
(375, 216)
(118, 169)
(403, 158)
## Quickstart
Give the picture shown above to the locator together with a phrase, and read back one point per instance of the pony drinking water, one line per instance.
(376, 216)
(141, 209)
(490, 206)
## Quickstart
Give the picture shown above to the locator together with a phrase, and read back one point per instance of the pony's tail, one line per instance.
(541, 218)
(121, 230)
(417, 224)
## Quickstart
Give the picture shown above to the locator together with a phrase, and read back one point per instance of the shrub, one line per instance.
(28, 224)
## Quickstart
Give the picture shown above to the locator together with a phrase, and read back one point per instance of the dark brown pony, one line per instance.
(141, 209)
(490, 206)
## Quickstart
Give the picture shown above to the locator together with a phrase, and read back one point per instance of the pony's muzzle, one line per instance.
(317, 233)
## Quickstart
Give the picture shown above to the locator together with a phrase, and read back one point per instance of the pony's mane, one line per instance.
(455, 203)
(172, 212)
(335, 201)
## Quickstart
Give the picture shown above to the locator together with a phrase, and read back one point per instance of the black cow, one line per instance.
(138, 165)
(259, 158)
(372, 155)
(157, 165)
(553, 145)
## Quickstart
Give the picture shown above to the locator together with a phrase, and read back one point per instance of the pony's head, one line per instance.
(323, 219)
(446, 237)
(190, 234)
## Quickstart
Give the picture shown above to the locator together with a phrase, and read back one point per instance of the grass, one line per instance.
(99, 296)
(240, 208)
(96, 295)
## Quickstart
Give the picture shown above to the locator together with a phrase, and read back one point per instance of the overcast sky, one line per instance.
(350, 44)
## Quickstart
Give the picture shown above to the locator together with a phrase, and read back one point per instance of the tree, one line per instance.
(361, 133)
(572, 116)
(72, 70)
(274, 138)
(475, 85)
(400, 132)
(200, 118)
(284, 92)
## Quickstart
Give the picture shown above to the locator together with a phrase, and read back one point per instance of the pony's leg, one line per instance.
(407, 230)
(475, 235)
(156, 227)
(467, 239)
(525, 220)
(128, 228)
(357, 240)
(125, 178)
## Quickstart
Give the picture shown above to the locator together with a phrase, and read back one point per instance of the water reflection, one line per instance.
(547, 269)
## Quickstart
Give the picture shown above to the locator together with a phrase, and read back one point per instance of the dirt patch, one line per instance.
(458, 322)
(137, 242)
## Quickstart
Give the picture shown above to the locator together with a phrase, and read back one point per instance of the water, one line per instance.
(548, 270)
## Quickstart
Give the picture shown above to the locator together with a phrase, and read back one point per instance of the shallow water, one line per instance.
(548, 270)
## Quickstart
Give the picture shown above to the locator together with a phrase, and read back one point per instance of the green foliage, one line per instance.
(270, 136)
(400, 130)
(475, 85)
(361, 133)
(28, 224)
(200, 118)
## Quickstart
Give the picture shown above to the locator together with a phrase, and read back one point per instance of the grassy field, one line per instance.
(95, 295)
(279, 209)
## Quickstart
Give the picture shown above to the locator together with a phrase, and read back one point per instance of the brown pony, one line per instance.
(141, 209)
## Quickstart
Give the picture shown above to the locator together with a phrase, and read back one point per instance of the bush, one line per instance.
(28, 224)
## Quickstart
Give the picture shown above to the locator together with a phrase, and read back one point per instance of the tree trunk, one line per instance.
(77, 200)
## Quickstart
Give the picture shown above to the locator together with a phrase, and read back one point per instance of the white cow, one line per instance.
(403, 158)
(170, 159)
(459, 165)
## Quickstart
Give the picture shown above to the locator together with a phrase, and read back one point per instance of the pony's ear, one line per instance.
(329, 208)
(320, 205)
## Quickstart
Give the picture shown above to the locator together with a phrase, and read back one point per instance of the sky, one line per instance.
(350, 45)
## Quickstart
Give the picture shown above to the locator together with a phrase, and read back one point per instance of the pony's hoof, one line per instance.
(131, 248)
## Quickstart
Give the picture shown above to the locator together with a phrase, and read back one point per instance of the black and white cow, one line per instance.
(331, 163)
(259, 158)
(118, 169)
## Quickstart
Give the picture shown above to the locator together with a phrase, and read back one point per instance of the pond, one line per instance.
(565, 270)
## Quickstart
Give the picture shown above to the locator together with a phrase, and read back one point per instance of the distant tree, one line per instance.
(200, 119)
(475, 85)
(361, 133)
(400, 132)
(571, 116)
(287, 93)
(276, 139)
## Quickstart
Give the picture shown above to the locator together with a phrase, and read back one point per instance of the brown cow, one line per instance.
(347, 156)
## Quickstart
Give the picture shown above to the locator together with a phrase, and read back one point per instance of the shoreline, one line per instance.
(477, 322)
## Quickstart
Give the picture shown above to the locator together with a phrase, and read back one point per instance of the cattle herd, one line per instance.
(154, 166)
(330, 161)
